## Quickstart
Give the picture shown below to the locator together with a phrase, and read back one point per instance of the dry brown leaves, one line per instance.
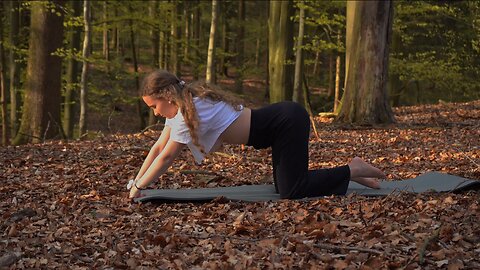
(64, 204)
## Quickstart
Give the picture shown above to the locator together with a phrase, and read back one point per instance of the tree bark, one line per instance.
(336, 101)
(85, 68)
(72, 74)
(41, 110)
(14, 67)
(154, 34)
(174, 37)
(106, 45)
(3, 100)
(196, 40)
(297, 85)
(240, 47)
(368, 33)
(135, 70)
(280, 50)
(211, 73)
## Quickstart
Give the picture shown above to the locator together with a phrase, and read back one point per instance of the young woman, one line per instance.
(202, 119)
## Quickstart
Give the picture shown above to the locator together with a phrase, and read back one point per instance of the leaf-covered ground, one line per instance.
(63, 205)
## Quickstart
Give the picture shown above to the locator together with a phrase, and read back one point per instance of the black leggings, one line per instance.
(285, 127)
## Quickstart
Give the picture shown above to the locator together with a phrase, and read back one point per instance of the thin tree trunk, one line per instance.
(72, 74)
(330, 74)
(85, 68)
(161, 50)
(106, 46)
(41, 110)
(135, 70)
(257, 53)
(240, 47)
(316, 63)
(368, 34)
(3, 100)
(297, 85)
(196, 37)
(154, 34)
(223, 67)
(186, 44)
(337, 85)
(211, 74)
(14, 7)
(280, 47)
(174, 40)
(114, 31)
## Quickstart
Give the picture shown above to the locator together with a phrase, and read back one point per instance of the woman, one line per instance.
(203, 120)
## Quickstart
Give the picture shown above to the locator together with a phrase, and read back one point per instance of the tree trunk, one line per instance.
(154, 34)
(14, 7)
(106, 46)
(3, 100)
(297, 85)
(41, 110)
(224, 59)
(82, 126)
(316, 63)
(196, 38)
(211, 73)
(186, 33)
(114, 31)
(72, 74)
(368, 33)
(330, 74)
(174, 45)
(280, 50)
(257, 53)
(240, 47)
(336, 101)
(135, 69)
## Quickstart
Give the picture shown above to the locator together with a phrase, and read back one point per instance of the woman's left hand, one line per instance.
(134, 192)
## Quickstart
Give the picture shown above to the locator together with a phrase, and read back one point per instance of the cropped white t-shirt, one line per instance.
(214, 117)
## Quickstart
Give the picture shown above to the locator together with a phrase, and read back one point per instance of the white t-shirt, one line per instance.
(214, 117)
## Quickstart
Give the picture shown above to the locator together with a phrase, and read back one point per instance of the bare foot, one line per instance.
(359, 168)
(369, 182)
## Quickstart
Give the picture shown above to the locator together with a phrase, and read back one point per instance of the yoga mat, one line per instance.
(428, 182)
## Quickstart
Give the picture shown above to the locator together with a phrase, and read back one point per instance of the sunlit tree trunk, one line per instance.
(280, 50)
(211, 73)
(72, 74)
(336, 101)
(41, 109)
(297, 84)
(368, 33)
(186, 33)
(14, 7)
(82, 125)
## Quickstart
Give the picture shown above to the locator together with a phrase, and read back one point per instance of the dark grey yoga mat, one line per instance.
(431, 181)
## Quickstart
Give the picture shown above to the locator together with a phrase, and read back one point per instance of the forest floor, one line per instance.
(64, 204)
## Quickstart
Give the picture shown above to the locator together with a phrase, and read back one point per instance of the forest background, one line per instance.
(432, 51)
(398, 78)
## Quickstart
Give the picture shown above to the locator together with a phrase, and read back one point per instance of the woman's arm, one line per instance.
(159, 165)
(156, 149)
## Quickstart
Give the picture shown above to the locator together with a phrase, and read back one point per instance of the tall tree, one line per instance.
(297, 84)
(368, 31)
(280, 45)
(106, 45)
(240, 47)
(41, 110)
(14, 12)
(85, 68)
(211, 73)
(135, 67)
(174, 38)
(74, 37)
(3, 100)
(196, 39)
